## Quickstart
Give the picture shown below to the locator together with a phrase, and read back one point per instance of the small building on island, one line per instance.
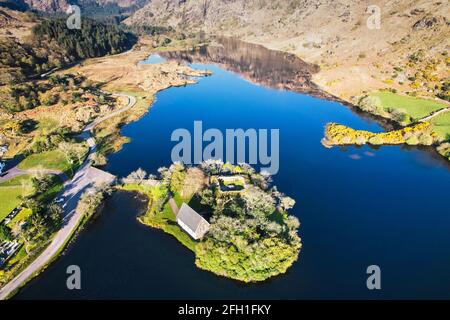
(191, 222)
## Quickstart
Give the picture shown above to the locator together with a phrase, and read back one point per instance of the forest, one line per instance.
(93, 40)
(53, 45)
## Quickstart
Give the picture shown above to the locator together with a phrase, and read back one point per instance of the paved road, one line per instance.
(84, 179)
(15, 172)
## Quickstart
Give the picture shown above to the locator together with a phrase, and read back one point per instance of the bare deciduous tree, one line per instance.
(194, 181)
(286, 203)
(136, 177)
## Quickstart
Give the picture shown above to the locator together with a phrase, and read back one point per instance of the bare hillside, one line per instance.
(338, 35)
(52, 6)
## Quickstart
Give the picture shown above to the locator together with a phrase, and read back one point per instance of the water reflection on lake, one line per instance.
(153, 59)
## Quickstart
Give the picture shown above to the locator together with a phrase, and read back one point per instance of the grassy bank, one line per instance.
(21, 260)
(159, 214)
(405, 110)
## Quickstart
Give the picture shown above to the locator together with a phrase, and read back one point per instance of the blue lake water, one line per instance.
(357, 207)
(153, 59)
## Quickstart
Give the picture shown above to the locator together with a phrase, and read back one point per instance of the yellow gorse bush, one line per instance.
(337, 134)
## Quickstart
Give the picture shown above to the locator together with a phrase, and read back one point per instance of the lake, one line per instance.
(357, 206)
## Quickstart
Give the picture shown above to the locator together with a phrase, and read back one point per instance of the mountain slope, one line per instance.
(30, 46)
(54, 6)
(331, 33)
(48, 5)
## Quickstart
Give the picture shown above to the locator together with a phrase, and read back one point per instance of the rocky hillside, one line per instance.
(15, 24)
(338, 35)
(48, 5)
(31, 46)
(123, 3)
(53, 6)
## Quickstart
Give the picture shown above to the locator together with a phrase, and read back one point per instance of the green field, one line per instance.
(441, 125)
(179, 199)
(16, 181)
(416, 107)
(169, 225)
(12, 190)
(50, 160)
(10, 193)
(9, 199)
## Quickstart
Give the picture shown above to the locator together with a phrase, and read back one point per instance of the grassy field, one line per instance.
(51, 160)
(54, 160)
(441, 125)
(415, 107)
(9, 199)
(11, 192)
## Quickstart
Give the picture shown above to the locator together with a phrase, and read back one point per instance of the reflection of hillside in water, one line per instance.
(274, 69)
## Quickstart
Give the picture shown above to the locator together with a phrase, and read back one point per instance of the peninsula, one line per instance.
(236, 224)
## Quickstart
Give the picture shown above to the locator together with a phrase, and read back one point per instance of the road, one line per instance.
(84, 178)
(15, 172)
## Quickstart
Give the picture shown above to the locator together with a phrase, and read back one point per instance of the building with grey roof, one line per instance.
(191, 222)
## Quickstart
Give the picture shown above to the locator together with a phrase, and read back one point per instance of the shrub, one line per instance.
(369, 103)
(426, 139)
(135, 177)
(376, 140)
(444, 149)
(336, 134)
(99, 159)
(400, 116)
(412, 140)
(360, 140)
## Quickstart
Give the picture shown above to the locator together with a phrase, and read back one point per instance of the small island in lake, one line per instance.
(230, 216)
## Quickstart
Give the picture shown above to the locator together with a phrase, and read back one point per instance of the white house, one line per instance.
(191, 222)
